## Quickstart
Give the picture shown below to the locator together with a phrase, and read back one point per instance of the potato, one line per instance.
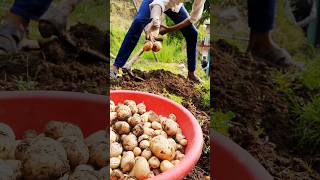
(31, 133)
(144, 137)
(154, 162)
(84, 167)
(112, 106)
(123, 112)
(65, 177)
(122, 127)
(6, 146)
(132, 105)
(57, 129)
(137, 151)
(103, 173)
(175, 162)
(148, 46)
(144, 144)
(113, 116)
(146, 153)
(6, 130)
(156, 46)
(173, 117)
(99, 156)
(141, 169)
(153, 117)
(13, 149)
(134, 120)
(10, 169)
(161, 148)
(170, 127)
(116, 175)
(156, 126)
(137, 130)
(148, 131)
(44, 166)
(127, 161)
(96, 138)
(129, 142)
(141, 108)
(115, 162)
(84, 175)
(40, 145)
(77, 151)
(113, 136)
(166, 165)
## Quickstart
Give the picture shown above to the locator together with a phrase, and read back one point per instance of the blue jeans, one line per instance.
(261, 15)
(131, 39)
(30, 9)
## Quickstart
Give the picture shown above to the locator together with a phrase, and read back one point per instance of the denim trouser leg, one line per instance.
(261, 15)
(132, 37)
(190, 33)
(30, 9)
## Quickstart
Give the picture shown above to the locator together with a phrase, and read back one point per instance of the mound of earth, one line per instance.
(263, 123)
(162, 82)
(57, 66)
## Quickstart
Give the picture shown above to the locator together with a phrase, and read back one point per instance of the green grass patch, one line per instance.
(177, 99)
(307, 131)
(219, 121)
(204, 91)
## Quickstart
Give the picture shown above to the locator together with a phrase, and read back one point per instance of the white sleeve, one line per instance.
(197, 10)
(161, 3)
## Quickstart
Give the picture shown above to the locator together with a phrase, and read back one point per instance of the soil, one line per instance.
(263, 123)
(58, 66)
(161, 82)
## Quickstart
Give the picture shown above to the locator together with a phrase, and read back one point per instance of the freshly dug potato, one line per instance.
(137, 130)
(84, 167)
(146, 153)
(6, 130)
(162, 148)
(65, 177)
(166, 165)
(141, 108)
(129, 142)
(43, 166)
(6, 146)
(99, 156)
(134, 120)
(40, 145)
(96, 138)
(115, 162)
(115, 149)
(154, 162)
(127, 161)
(77, 151)
(57, 129)
(13, 149)
(156, 46)
(137, 151)
(113, 136)
(103, 173)
(122, 127)
(116, 175)
(84, 175)
(31, 133)
(10, 169)
(123, 112)
(148, 46)
(132, 105)
(141, 169)
(170, 127)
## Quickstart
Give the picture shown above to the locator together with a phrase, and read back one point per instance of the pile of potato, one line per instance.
(60, 152)
(142, 143)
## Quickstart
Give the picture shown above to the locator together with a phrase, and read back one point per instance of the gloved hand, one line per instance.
(152, 30)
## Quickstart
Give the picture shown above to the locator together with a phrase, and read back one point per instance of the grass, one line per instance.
(307, 130)
(204, 91)
(177, 99)
(219, 121)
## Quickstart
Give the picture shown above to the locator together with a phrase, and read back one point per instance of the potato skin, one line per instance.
(96, 138)
(99, 156)
(6, 130)
(84, 175)
(115, 149)
(57, 129)
(6, 147)
(44, 167)
(10, 169)
(77, 151)
(162, 148)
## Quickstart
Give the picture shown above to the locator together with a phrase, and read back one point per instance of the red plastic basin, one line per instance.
(187, 122)
(229, 161)
(32, 110)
